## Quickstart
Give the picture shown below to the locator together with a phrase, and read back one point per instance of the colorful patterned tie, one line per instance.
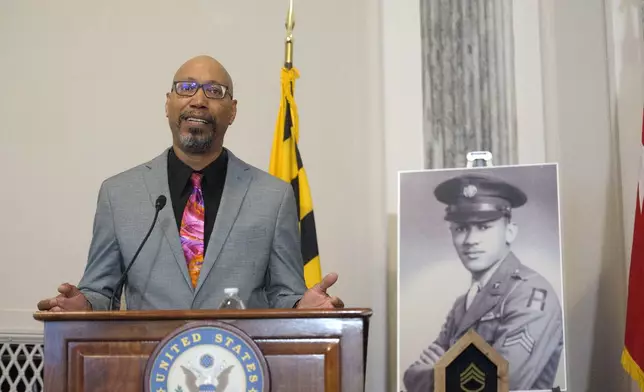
(192, 228)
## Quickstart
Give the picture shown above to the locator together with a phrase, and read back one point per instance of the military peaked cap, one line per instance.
(478, 198)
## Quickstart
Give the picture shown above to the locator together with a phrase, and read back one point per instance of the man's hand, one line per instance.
(432, 354)
(316, 296)
(69, 299)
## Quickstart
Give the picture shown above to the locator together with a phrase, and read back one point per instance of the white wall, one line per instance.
(528, 76)
(402, 64)
(403, 133)
(581, 136)
(67, 126)
(625, 76)
(625, 50)
(571, 112)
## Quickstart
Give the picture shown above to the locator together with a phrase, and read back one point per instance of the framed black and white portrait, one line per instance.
(480, 249)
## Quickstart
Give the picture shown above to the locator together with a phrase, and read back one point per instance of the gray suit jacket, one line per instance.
(518, 313)
(254, 246)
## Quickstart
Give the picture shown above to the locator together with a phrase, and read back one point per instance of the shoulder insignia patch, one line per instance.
(537, 300)
(521, 338)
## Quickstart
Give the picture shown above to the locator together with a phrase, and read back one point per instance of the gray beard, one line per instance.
(196, 142)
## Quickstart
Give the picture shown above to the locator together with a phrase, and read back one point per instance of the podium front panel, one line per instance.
(313, 363)
(123, 363)
(303, 354)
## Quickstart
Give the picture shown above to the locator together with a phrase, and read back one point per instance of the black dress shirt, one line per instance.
(212, 186)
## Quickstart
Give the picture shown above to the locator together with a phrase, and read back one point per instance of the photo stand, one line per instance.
(479, 159)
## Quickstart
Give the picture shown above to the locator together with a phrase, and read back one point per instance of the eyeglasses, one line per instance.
(190, 88)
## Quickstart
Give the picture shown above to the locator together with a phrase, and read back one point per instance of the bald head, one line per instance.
(199, 109)
(205, 65)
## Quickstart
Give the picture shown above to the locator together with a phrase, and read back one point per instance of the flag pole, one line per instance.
(290, 24)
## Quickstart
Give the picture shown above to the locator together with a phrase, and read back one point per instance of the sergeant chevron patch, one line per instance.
(522, 338)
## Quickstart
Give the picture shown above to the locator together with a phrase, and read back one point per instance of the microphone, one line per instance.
(160, 203)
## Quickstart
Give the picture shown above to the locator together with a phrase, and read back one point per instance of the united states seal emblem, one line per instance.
(207, 357)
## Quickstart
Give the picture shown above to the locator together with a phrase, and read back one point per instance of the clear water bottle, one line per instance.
(232, 300)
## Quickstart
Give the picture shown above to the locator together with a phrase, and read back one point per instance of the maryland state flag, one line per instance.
(633, 353)
(286, 163)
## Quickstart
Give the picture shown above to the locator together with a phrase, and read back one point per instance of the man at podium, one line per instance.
(226, 223)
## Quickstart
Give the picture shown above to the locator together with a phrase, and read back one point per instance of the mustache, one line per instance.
(200, 115)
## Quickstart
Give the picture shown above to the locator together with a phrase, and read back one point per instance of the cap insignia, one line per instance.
(469, 191)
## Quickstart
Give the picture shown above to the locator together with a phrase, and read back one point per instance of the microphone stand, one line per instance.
(160, 203)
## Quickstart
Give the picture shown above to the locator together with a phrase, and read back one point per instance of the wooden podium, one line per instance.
(299, 350)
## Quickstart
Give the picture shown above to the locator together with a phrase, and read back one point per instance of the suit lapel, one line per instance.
(235, 188)
(156, 181)
(490, 295)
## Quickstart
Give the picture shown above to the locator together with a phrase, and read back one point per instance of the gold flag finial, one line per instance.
(290, 24)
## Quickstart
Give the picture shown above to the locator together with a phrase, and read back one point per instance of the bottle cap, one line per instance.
(231, 290)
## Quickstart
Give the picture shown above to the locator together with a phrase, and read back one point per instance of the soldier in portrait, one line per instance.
(512, 307)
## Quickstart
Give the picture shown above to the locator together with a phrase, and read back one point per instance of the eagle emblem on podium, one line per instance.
(207, 357)
(206, 377)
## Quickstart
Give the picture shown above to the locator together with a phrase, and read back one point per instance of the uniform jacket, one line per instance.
(518, 313)
(254, 245)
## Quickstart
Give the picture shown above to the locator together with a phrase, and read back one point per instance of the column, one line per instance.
(468, 81)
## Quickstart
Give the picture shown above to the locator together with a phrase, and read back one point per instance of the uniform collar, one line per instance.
(485, 278)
